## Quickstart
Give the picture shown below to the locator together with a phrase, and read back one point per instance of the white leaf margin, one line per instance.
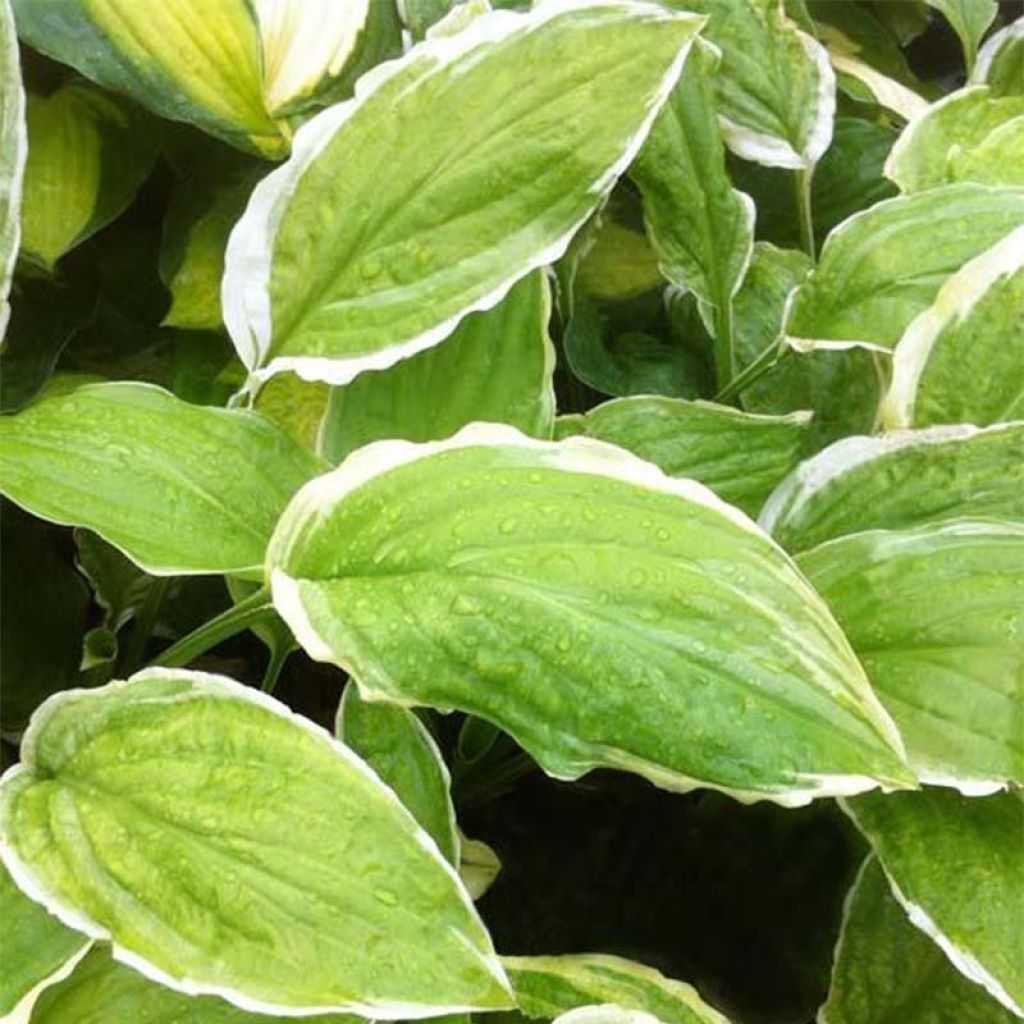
(816, 473)
(14, 107)
(248, 260)
(771, 151)
(22, 1011)
(990, 50)
(574, 454)
(962, 959)
(223, 688)
(956, 299)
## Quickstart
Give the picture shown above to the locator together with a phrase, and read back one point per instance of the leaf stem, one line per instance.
(278, 656)
(482, 786)
(725, 349)
(142, 629)
(253, 609)
(802, 182)
(769, 357)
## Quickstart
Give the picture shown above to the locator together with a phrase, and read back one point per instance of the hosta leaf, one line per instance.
(13, 150)
(954, 864)
(577, 597)
(497, 365)
(936, 616)
(700, 226)
(882, 267)
(996, 160)
(970, 20)
(284, 878)
(178, 488)
(936, 147)
(453, 208)
(398, 747)
(1001, 61)
(479, 866)
(776, 89)
(297, 406)
(905, 479)
(620, 263)
(229, 68)
(101, 989)
(199, 219)
(840, 388)
(190, 60)
(887, 970)
(962, 360)
(547, 986)
(88, 154)
(305, 45)
(38, 951)
(740, 456)
(883, 90)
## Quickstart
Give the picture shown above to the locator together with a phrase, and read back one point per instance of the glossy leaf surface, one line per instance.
(331, 288)
(126, 820)
(954, 864)
(908, 478)
(936, 616)
(178, 488)
(575, 596)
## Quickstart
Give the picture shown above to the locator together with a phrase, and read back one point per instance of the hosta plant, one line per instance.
(512, 511)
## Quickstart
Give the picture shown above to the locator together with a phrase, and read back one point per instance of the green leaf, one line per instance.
(297, 406)
(700, 226)
(101, 989)
(497, 366)
(330, 288)
(954, 864)
(901, 480)
(970, 20)
(882, 267)
(848, 179)
(88, 155)
(940, 146)
(588, 605)
(887, 970)
(479, 866)
(201, 214)
(13, 150)
(841, 389)
(284, 877)
(42, 619)
(398, 747)
(962, 360)
(936, 616)
(173, 485)
(189, 61)
(38, 951)
(1001, 61)
(740, 456)
(776, 89)
(547, 986)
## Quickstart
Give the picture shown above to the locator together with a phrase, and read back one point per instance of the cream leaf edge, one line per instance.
(16, 98)
(962, 959)
(990, 50)
(248, 260)
(772, 151)
(224, 688)
(423, 733)
(933, 774)
(21, 1013)
(952, 306)
(576, 454)
(811, 476)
